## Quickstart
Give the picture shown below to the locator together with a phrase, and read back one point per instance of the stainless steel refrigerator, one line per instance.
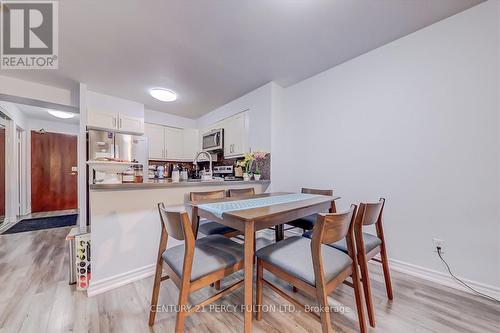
(104, 144)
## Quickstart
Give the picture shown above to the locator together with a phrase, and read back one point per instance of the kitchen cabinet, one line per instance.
(170, 143)
(235, 135)
(174, 141)
(114, 121)
(190, 143)
(130, 124)
(156, 140)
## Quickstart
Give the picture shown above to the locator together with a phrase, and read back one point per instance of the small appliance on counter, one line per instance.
(226, 172)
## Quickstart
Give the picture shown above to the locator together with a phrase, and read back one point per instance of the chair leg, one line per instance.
(182, 311)
(363, 265)
(326, 326)
(359, 298)
(387, 275)
(156, 291)
(258, 298)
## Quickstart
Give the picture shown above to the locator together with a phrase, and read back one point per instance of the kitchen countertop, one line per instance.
(156, 183)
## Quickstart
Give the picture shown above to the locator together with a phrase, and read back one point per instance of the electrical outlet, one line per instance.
(438, 243)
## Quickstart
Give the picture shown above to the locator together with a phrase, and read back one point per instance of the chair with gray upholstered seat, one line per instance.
(313, 266)
(307, 223)
(192, 265)
(368, 246)
(207, 227)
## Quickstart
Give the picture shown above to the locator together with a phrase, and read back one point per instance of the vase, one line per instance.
(256, 176)
(246, 177)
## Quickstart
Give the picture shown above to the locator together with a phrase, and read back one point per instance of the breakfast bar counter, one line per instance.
(125, 225)
(168, 183)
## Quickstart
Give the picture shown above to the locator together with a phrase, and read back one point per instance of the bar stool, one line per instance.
(194, 265)
(315, 268)
(368, 246)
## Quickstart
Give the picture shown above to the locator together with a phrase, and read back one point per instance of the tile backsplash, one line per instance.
(265, 167)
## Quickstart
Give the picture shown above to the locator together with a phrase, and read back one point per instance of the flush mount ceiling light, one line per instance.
(162, 94)
(61, 114)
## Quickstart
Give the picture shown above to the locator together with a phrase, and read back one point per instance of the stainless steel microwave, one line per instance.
(213, 140)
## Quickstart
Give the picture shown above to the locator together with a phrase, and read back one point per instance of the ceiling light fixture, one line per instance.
(61, 114)
(162, 94)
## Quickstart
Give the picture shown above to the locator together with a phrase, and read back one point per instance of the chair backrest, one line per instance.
(315, 191)
(370, 213)
(333, 208)
(219, 194)
(241, 192)
(330, 228)
(333, 227)
(175, 222)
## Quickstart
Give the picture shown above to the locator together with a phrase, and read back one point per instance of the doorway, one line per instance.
(2, 168)
(53, 171)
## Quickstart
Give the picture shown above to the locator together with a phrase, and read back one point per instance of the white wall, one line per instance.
(258, 102)
(41, 92)
(167, 119)
(415, 121)
(16, 120)
(52, 126)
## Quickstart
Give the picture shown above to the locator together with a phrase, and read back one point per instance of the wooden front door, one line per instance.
(53, 184)
(2, 172)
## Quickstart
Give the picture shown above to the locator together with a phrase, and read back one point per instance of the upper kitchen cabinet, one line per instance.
(114, 114)
(174, 143)
(235, 135)
(190, 143)
(170, 143)
(156, 141)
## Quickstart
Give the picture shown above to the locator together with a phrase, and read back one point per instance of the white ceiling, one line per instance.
(213, 51)
(34, 112)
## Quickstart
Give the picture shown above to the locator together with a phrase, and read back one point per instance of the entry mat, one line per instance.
(42, 223)
(219, 208)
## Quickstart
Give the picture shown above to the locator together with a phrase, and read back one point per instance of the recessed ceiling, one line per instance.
(213, 51)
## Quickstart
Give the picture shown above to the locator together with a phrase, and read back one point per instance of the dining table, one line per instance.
(252, 213)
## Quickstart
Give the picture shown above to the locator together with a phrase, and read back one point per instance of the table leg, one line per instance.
(195, 221)
(279, 232)
(248, 276)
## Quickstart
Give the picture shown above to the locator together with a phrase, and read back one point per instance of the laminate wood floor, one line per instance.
(35, 297)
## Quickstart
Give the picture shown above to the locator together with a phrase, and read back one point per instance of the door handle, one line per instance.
(120, 123)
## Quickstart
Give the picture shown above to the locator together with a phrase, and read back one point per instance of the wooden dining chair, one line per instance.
(194, 265)
(241, 192)
(368, 246)
(312, 266)
(307, 223)
(207, 227)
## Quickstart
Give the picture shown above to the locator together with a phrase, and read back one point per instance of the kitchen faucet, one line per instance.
(195, 163)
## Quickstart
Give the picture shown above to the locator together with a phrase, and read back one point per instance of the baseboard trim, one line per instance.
(442, 278)
(101, 286)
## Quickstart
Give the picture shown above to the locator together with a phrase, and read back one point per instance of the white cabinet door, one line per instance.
(131, 124)
(174, 142)
(235, 135)
(190, 146)
(239, 137)
(156, 141)
(102, 120)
